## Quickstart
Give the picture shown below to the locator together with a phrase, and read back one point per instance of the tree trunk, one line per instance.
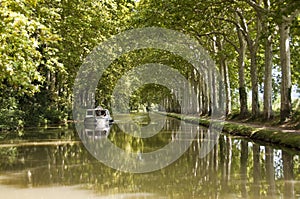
(285, 60)
(227, 88)
(225, 77)
(254, 83)
(205, 97)
(268, 113)
(242, 85)
(199, 93)
(214, 93)
(210, 92)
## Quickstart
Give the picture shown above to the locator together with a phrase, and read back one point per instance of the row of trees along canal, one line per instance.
(43, 44)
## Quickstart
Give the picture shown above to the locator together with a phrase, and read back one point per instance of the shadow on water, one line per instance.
(235, 168)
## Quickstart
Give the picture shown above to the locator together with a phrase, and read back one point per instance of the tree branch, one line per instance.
(232, 43)
(209, 33)
(294, 14)
(257, 7)
(243, 25)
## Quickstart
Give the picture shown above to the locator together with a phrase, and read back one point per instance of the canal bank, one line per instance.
(282, 137)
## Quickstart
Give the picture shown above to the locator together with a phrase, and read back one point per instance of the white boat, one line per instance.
(97, 116)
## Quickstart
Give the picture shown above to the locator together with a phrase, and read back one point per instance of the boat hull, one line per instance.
(98, 121)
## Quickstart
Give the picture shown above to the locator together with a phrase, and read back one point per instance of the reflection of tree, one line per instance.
(225, 161)
(228, 158)
(222, 160)
(8, 156)
(270, 171)
(256, 170)
(243, 162)
(231, 168)
(288, 174)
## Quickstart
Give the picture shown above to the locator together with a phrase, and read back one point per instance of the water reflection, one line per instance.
(235, 168)
(135, 154)
(98, 131)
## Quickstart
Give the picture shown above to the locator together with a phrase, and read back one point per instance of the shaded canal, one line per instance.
(53, 163)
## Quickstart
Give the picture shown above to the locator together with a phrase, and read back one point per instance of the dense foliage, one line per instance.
(43, 44)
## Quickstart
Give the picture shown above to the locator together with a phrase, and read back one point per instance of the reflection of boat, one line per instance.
(97, 116)
(99, 131)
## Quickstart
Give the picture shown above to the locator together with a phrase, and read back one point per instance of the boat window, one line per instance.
(103, 113)
(90, 112)
(98, 112)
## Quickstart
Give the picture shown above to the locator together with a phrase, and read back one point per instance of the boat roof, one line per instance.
(96, 109)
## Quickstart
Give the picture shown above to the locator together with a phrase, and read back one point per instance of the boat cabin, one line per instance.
(97, 114)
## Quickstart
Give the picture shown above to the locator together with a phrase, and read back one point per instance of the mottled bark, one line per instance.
(254, 82)
(267, 112)
(205, 98)
(224, 73)
(242, 85)
(285, 60)
(227, 89)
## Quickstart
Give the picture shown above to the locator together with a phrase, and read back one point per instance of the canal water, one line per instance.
(53, 162)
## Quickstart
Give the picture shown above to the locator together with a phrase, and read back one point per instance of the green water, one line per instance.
(53, 163)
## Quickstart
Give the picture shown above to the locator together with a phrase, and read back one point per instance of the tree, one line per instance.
(285, 60)
(263, 13)
(22, 61)
(43, 44)
(253, 45)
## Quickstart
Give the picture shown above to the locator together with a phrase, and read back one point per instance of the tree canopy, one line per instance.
(254, 43)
